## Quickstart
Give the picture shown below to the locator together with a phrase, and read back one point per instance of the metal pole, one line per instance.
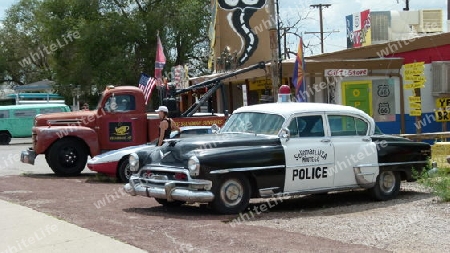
(280, 57)
(274, 49)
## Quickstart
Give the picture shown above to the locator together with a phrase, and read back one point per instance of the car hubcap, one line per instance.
(387, 181)
(231, 192)
(127, 172)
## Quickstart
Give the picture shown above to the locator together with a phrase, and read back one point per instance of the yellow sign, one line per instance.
(414, 99)
(415, 78)
(415, 105)
(415, 112)
(442, 115)
(415, 71)
(414, 85)
(260, 84)
(414, 65)
(442, 102)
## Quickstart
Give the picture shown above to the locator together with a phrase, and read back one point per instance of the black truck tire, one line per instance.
(231, 194)
(5, 138)
(67, 157)
(387, 185)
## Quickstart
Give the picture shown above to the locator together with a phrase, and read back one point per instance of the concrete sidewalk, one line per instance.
(15, 141)
(26, 230)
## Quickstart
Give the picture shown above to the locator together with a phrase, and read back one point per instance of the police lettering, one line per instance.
(309, 173)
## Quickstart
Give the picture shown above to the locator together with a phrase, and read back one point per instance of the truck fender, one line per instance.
(46, 136)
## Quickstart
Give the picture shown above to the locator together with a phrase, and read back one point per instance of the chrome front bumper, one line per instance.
(28, 156)
(198, 193)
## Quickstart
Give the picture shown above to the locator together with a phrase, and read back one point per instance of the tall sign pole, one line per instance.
(273, 33)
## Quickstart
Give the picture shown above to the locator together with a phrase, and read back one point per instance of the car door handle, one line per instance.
(367, 139)
(325, 140)
(134, 118)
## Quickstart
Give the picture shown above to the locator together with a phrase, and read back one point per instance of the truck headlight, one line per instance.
(133, 160)
(194, 166)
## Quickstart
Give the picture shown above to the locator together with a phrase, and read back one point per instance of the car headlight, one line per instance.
(133, 160)
(194, 166)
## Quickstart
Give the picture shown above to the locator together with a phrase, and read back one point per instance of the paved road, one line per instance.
(26, 230)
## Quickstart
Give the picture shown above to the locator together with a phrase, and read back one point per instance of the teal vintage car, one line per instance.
(17, 120)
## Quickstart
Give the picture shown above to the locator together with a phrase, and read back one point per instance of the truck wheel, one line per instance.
(5, 138)
(67, 157)
(123, 171)
(387, 185)
(231, 194)
(175, 203)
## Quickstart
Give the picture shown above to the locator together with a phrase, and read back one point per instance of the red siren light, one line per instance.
(284, 94)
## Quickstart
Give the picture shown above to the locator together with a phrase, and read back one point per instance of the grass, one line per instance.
(438, 181)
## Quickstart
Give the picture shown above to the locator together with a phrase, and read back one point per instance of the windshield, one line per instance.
(253, 122)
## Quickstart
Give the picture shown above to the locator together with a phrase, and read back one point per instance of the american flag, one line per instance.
(146, 84)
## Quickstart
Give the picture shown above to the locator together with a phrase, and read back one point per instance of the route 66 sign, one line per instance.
(383, 109)
(383, 90)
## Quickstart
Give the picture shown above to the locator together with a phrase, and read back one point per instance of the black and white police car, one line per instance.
(277, 148)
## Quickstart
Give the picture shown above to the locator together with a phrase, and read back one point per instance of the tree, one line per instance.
(22, 59)
(85, 43)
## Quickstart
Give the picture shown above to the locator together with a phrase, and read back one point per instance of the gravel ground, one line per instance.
(415, 222)
(337, 222)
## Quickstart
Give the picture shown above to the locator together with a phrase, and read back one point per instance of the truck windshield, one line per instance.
(253, 122)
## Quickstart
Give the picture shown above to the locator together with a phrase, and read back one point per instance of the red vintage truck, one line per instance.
(120, 120)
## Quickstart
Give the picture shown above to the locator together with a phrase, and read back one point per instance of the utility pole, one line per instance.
(273, 34)
(320, 7)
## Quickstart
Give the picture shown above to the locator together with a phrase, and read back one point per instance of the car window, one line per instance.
(120, 103)
(344, 125)
(253, 122)
(306, 126)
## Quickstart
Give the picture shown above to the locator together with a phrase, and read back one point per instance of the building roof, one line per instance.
(392, 47)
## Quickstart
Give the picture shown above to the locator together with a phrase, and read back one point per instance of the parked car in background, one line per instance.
(114, 163)
(17, 120)
(275, 150)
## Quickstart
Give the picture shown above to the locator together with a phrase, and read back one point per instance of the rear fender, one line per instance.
(46, 136)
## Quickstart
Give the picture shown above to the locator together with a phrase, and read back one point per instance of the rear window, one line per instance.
(4, 114)
(24, 113)
(52, 110)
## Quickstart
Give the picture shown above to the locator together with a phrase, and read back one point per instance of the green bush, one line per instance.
(438, 181)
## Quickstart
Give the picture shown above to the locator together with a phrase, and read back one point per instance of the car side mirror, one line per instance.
(284, 134)
(215, 128)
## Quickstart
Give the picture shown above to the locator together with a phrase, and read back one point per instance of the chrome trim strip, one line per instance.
(388, 164)
(361, 180)
(319, 190)
(267, 192)
(310, 164)
(69, 121)
(246, 169)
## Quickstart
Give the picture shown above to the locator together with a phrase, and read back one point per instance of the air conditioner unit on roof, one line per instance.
(430, 21)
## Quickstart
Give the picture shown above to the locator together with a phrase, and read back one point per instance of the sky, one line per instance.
(333, 17)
